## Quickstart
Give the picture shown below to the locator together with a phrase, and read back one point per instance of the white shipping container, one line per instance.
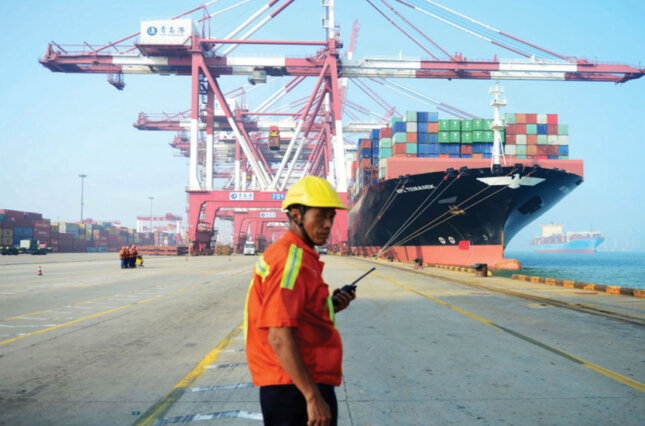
(552, 139)
(510, 150)
(167, 31)
(541, 119)
(563, 139)
(520, 139)
(411, 126)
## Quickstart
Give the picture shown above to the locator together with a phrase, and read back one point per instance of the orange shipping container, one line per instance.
(531, 139)
(433, 127)
(532, 149)
(520, 118)
(411, 137)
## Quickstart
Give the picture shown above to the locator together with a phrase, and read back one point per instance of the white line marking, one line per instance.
(231, 365)
(211, 416)
(27, 325)
(220, 387)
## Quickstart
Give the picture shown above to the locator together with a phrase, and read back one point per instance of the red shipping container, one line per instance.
(552, 119)
(466, 149)
(12, 214)
(542, 157)
(33, 216)
(532, 150)
(531, 118)
(510, 139)
(398, 148)
(520, 129)
(474, 156)
(552, 150)
(433, 127)
(366, 143)
(542, 149)
(6, 224)
(385, 132)
(520, 119)
(551, 129)
(510, 129)
(42, 225)
(531, 139)
(444, 155)
(411, 137)
(366, 163)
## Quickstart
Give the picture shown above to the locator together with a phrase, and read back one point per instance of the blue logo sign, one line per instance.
(237, 196)
(277, 196)
(152, 31)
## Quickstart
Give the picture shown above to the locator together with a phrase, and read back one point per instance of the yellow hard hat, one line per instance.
(313, 191)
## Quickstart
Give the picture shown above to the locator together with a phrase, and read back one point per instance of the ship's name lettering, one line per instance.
(415, 188)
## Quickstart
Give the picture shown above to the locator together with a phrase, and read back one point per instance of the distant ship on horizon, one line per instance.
(554, 240)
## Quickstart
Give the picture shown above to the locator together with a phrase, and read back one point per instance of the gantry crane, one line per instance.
(207, 60)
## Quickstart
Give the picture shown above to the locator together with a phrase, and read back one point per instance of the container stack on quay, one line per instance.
(424, 135)
(66, 237)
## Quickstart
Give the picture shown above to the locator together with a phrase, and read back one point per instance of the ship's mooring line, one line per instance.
(427, 226)
(414, 215)
(387, 204)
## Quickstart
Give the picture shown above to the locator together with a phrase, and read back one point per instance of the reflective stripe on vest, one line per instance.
(291, 267)
(330, 304)
(262, 268)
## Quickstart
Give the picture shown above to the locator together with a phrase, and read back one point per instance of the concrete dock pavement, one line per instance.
(163, 345)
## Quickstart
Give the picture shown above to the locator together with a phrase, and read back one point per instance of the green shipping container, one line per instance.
(563, 157)
(542, 140)
(444, 125)
(385, 143)
(478, 136)
(399, 138)
(488, 136)
(466, 137)
(384, 152)
(455, 137)
(444, 137)
(455, 125)
(487, 123)
(394, 120)
(466, 126)
(520, 149)
(478, 124)
(531, 129)
(563, 129)
(410, 116)
(521, 157)
(410, 148)
(509, 118)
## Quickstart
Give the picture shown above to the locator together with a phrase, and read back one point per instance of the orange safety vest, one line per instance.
(287, 290)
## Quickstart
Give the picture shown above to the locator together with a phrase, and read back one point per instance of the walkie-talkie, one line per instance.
(352, 286)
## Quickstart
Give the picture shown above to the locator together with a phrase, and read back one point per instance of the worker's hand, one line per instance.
(342, 299)
(318, 412)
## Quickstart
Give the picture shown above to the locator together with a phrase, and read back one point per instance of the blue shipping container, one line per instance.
(541, 129)
(420, 155)
(23, 232)
(488, 155)
(563, 150)
(488, 148)
(478, 148)
(399, 127)
(466, 156)
(444, 148)
(366, 153)
(454, 148)
(434, 148)
(422, 126)
(454, 155)
(433, 137)
(433, 117)
(422, 138)
(375, 133)
(422, 116)
(423, 148)
(552, 157)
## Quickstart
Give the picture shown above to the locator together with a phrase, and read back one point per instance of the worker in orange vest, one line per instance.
(293, 348)
(133, 256)
(123, 254)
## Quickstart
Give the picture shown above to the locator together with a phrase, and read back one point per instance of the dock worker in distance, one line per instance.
(293, 348)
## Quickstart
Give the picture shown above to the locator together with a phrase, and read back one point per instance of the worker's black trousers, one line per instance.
(284, 405)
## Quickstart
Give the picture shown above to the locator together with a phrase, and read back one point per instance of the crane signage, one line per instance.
(175, 32)
(277, 196)
(240, 196)
(267, 215)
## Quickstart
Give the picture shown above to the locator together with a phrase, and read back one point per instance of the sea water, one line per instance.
(624, 269)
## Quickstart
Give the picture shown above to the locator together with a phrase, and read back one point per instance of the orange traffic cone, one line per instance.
(40, 271)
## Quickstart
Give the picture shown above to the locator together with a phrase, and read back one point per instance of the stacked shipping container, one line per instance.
(65, 237)
(423, 134)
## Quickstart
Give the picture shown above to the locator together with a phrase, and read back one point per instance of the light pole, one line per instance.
(82, 176)
(151, 198)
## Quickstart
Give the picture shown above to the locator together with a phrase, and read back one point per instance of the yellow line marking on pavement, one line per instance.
(597, 368)
(163, 405)
(100, 314)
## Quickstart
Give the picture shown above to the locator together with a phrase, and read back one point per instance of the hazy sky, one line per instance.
(55, 126)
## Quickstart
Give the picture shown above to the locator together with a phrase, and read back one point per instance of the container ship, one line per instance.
(455, 192)
(554, 240)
